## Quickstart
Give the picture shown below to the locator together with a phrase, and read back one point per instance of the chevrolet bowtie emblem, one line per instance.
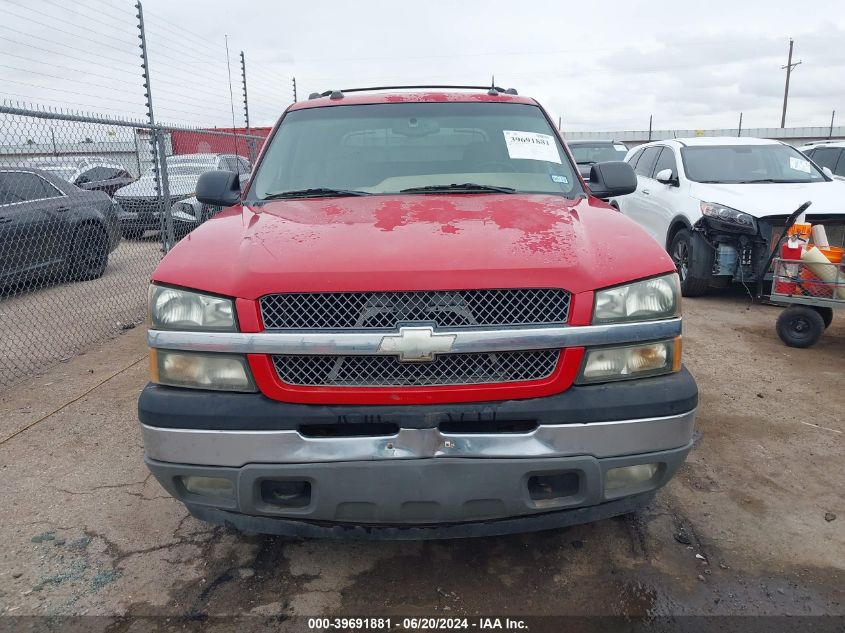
(417, 344)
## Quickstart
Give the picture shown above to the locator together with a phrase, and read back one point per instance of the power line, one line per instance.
(52, 65)
(62, 101)
(88, 18)
(63, 45)
(82, 94)
(88, 29)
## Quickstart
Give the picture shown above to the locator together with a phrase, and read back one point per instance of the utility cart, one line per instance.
(812, 290)
(811, 297)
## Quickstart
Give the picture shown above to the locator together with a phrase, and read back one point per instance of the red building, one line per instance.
(220, 141)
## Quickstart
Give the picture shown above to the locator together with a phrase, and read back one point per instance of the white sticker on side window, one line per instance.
(531, 146)
(799, 164)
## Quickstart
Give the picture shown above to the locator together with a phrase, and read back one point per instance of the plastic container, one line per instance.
(833, 253)
(790, 249)
(802, 231)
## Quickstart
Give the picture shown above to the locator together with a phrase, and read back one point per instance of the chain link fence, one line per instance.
(88, 206)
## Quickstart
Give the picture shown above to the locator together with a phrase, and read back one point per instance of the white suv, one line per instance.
(717, 204)
(830, 154)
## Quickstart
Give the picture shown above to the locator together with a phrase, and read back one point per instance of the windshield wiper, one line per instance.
(766, 180)
(317, 192)
(467, 187)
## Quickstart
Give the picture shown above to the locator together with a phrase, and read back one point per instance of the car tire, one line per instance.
(694, 281)
(132, 233)
(90, 254)
(800, 326)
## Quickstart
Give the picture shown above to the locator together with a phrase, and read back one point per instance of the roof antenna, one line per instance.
(493, 92)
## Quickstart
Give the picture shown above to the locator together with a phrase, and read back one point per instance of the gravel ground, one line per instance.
(752, 524)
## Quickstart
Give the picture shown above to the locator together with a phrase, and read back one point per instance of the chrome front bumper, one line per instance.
(596, 439)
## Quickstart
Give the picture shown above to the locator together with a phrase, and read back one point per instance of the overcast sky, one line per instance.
(599, 65)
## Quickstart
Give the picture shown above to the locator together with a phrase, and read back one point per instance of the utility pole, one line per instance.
(649, 126)
(294, 89)
(789, 66)
(558, 124)
(830, 132)
(739, 131)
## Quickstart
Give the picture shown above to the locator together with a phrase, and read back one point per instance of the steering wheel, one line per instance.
(507, 166)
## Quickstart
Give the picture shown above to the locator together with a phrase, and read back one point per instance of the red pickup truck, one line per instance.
(416, 320)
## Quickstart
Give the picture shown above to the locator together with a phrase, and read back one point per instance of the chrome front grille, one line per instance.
(145, 207)
(385, 310)
(388, 371)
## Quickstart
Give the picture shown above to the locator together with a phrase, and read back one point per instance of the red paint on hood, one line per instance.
(413, 242)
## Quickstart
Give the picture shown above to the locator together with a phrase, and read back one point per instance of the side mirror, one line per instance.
(613, 178)
(218, 187)
(827, 172)
(666, 177)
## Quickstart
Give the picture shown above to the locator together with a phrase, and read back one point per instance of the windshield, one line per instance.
(185, 169)
(587, 154)
(391, 148)
(732, 164)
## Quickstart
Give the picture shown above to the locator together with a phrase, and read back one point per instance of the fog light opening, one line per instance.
(286, 494)
(215, 487)
(552, 488)
(629, 477)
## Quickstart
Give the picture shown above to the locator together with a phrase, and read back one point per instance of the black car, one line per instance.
(589, 152)
(91, 174)
(50, 228)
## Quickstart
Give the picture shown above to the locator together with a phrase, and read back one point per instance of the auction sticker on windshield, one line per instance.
(531, 146)
(799, 164)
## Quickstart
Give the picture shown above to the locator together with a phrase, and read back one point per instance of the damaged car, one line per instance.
(719, 204)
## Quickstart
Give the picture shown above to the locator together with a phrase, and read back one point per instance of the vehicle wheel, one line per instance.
(90, 253)
(131, 232)
(693, 282)
(827, 315)
(800, 326)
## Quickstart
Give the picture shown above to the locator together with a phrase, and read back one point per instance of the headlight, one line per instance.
(174, 309)
(220, 372)
(647, 300)
(729, 218)
(606, 364)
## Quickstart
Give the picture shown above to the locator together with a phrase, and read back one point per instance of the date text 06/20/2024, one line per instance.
(416, 623)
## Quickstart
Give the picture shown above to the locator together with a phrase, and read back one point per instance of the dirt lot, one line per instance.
(753, 524)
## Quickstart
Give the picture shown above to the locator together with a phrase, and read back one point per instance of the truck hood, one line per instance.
(770, 199)
(413, 242)
(145, 187)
